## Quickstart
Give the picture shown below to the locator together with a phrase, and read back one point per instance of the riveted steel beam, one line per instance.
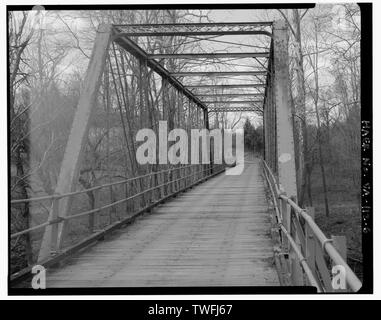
(217, 73)
(186, 29)
(209, 55)
(234, 102)
(226, 86)
(230, 95)
(233, 109)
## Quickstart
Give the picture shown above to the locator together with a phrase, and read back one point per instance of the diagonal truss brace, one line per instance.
(139, 53)
(68, 175)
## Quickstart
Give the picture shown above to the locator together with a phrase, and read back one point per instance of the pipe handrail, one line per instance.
(301, 258)
(110, 205)
(350, 277)
(69, 194)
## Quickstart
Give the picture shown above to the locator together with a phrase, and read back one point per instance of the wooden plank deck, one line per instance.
(216, 234)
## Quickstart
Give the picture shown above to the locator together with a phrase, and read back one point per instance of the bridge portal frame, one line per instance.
(54, 232)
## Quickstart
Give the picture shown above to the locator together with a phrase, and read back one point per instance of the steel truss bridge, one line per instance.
(192, 225)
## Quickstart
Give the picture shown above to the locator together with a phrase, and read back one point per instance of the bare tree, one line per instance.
(19, 39)
(313, 59)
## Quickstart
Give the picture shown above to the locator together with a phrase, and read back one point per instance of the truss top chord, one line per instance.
(233, 109)
(263, 54)
(219, 73)
(259, 28)
(230, 95)
(197, 24)
(234, 102)
(201, 86)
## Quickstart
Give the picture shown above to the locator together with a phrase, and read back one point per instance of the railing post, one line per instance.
(178, 176)
(165, 180)
(170, 180)
(310, 243)
(50, 245)
(297, 276)
(92, 215)
(160, 181)
(182, 175)
(127, 194)
(130, 204)
(340, 244)
(55, 217)
(173, 177)
(91, 222)
(285, 215)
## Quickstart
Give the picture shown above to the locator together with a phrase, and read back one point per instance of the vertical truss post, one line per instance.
(265, 129)
(206, 125)
(68, 175)
(206, 119)
(272, 127)
(284, 131)
(189, 117)
(285, 144)
(142, 92)
(164, 93)
(267, 125)
(146, 85)
(181, 109)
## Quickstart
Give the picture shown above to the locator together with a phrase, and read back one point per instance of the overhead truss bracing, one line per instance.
(195, 92)
(139, 53)
(188, 29)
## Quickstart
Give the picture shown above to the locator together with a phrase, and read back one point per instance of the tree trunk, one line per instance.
(300, 108)
(25, 212)
(316, 100)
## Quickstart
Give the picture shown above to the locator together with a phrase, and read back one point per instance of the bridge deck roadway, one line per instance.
(216, 234)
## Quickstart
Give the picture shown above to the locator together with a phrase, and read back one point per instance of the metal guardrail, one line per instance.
(182, 178)
(168, 189)
(307, 240)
